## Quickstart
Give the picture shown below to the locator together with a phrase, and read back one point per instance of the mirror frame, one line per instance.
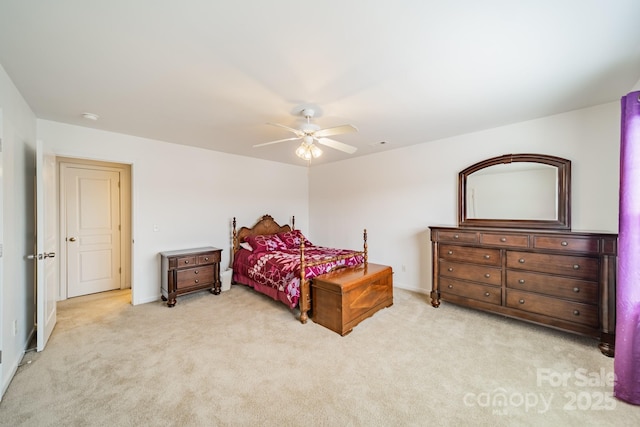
(563, 221)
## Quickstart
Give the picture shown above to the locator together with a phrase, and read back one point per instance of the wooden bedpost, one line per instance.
(234, 241)
(305, 297)
(366, 256)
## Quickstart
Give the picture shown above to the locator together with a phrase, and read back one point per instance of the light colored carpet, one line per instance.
(241, 359)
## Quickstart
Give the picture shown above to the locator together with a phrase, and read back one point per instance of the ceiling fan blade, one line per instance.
(337, 145)
(296, 131)
(335, 130)
(275, 142)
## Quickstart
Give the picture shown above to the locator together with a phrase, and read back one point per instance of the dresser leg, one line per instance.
(435, 299)
(607, 344)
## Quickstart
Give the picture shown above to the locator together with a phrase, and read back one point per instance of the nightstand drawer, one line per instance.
(209, 258)
(194, 276)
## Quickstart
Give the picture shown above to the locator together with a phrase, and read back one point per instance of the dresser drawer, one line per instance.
(472, 255)
(566, 310)
(490, 294)
(573, 266)
(563, 287)
(194, 276)
(209, 258)
(505, 240)
(568, 244)
(477, 273)
(457, 236)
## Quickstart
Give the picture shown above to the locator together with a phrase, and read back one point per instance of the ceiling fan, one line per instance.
(310, 133)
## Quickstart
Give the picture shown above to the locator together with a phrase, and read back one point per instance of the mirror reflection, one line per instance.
(519, 191)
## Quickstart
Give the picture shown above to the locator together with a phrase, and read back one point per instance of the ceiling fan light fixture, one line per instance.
(308, 151)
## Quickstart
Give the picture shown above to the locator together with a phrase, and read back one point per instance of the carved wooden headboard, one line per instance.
(266, 225)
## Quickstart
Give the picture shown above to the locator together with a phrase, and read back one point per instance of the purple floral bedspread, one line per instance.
(277, 273)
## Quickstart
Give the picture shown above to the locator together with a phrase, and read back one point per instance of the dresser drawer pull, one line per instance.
(455, 236)
(521, 301)
(487, 256)
(450, 286)
(521, 260)
(563, 243)
(576, 313)
(450, 269)
(576, 290)
(449, 252)
(206, 258)
(197, 280)
(521, 281)
(576, 267)
(487, 294)
(503, 239)
(196, 272)
(186, 261)
(487, 275)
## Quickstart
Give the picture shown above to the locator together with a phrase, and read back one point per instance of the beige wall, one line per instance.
(398, 194)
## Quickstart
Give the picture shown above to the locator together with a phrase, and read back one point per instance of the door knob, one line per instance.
(72, 239)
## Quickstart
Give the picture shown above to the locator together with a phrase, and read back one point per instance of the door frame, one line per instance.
(64, 163)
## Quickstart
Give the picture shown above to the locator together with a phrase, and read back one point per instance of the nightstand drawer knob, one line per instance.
(521, 281)
(487, 275)
(503, 239)
(450, 286)
(487, 256)
(521, 301)
(206, 258)
(576, 313)
(487, 294)
(196, 272)
(450, 269)
(563, 243)
(197, 281)
(576, 290)
(456, 236)
(576, 267)
(186, 261)
(521, 260)
(449, 252)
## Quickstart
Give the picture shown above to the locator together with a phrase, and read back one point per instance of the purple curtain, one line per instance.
(627, 350)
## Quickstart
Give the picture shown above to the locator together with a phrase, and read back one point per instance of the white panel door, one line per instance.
(46, 243)
(92, 230)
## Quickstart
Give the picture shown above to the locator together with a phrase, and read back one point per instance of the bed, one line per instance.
(279, 261)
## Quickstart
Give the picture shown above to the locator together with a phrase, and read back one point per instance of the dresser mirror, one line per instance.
(516, 191)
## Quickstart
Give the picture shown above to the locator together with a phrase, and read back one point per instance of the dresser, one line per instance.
(189, 270)
(561, 279)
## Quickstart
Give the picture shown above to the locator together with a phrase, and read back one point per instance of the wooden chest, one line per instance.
(343, 298)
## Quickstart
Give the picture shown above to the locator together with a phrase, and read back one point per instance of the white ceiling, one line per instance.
(213, 73)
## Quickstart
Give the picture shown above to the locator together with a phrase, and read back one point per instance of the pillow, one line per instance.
(292, 239)
(265, 243)
(246, 246)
